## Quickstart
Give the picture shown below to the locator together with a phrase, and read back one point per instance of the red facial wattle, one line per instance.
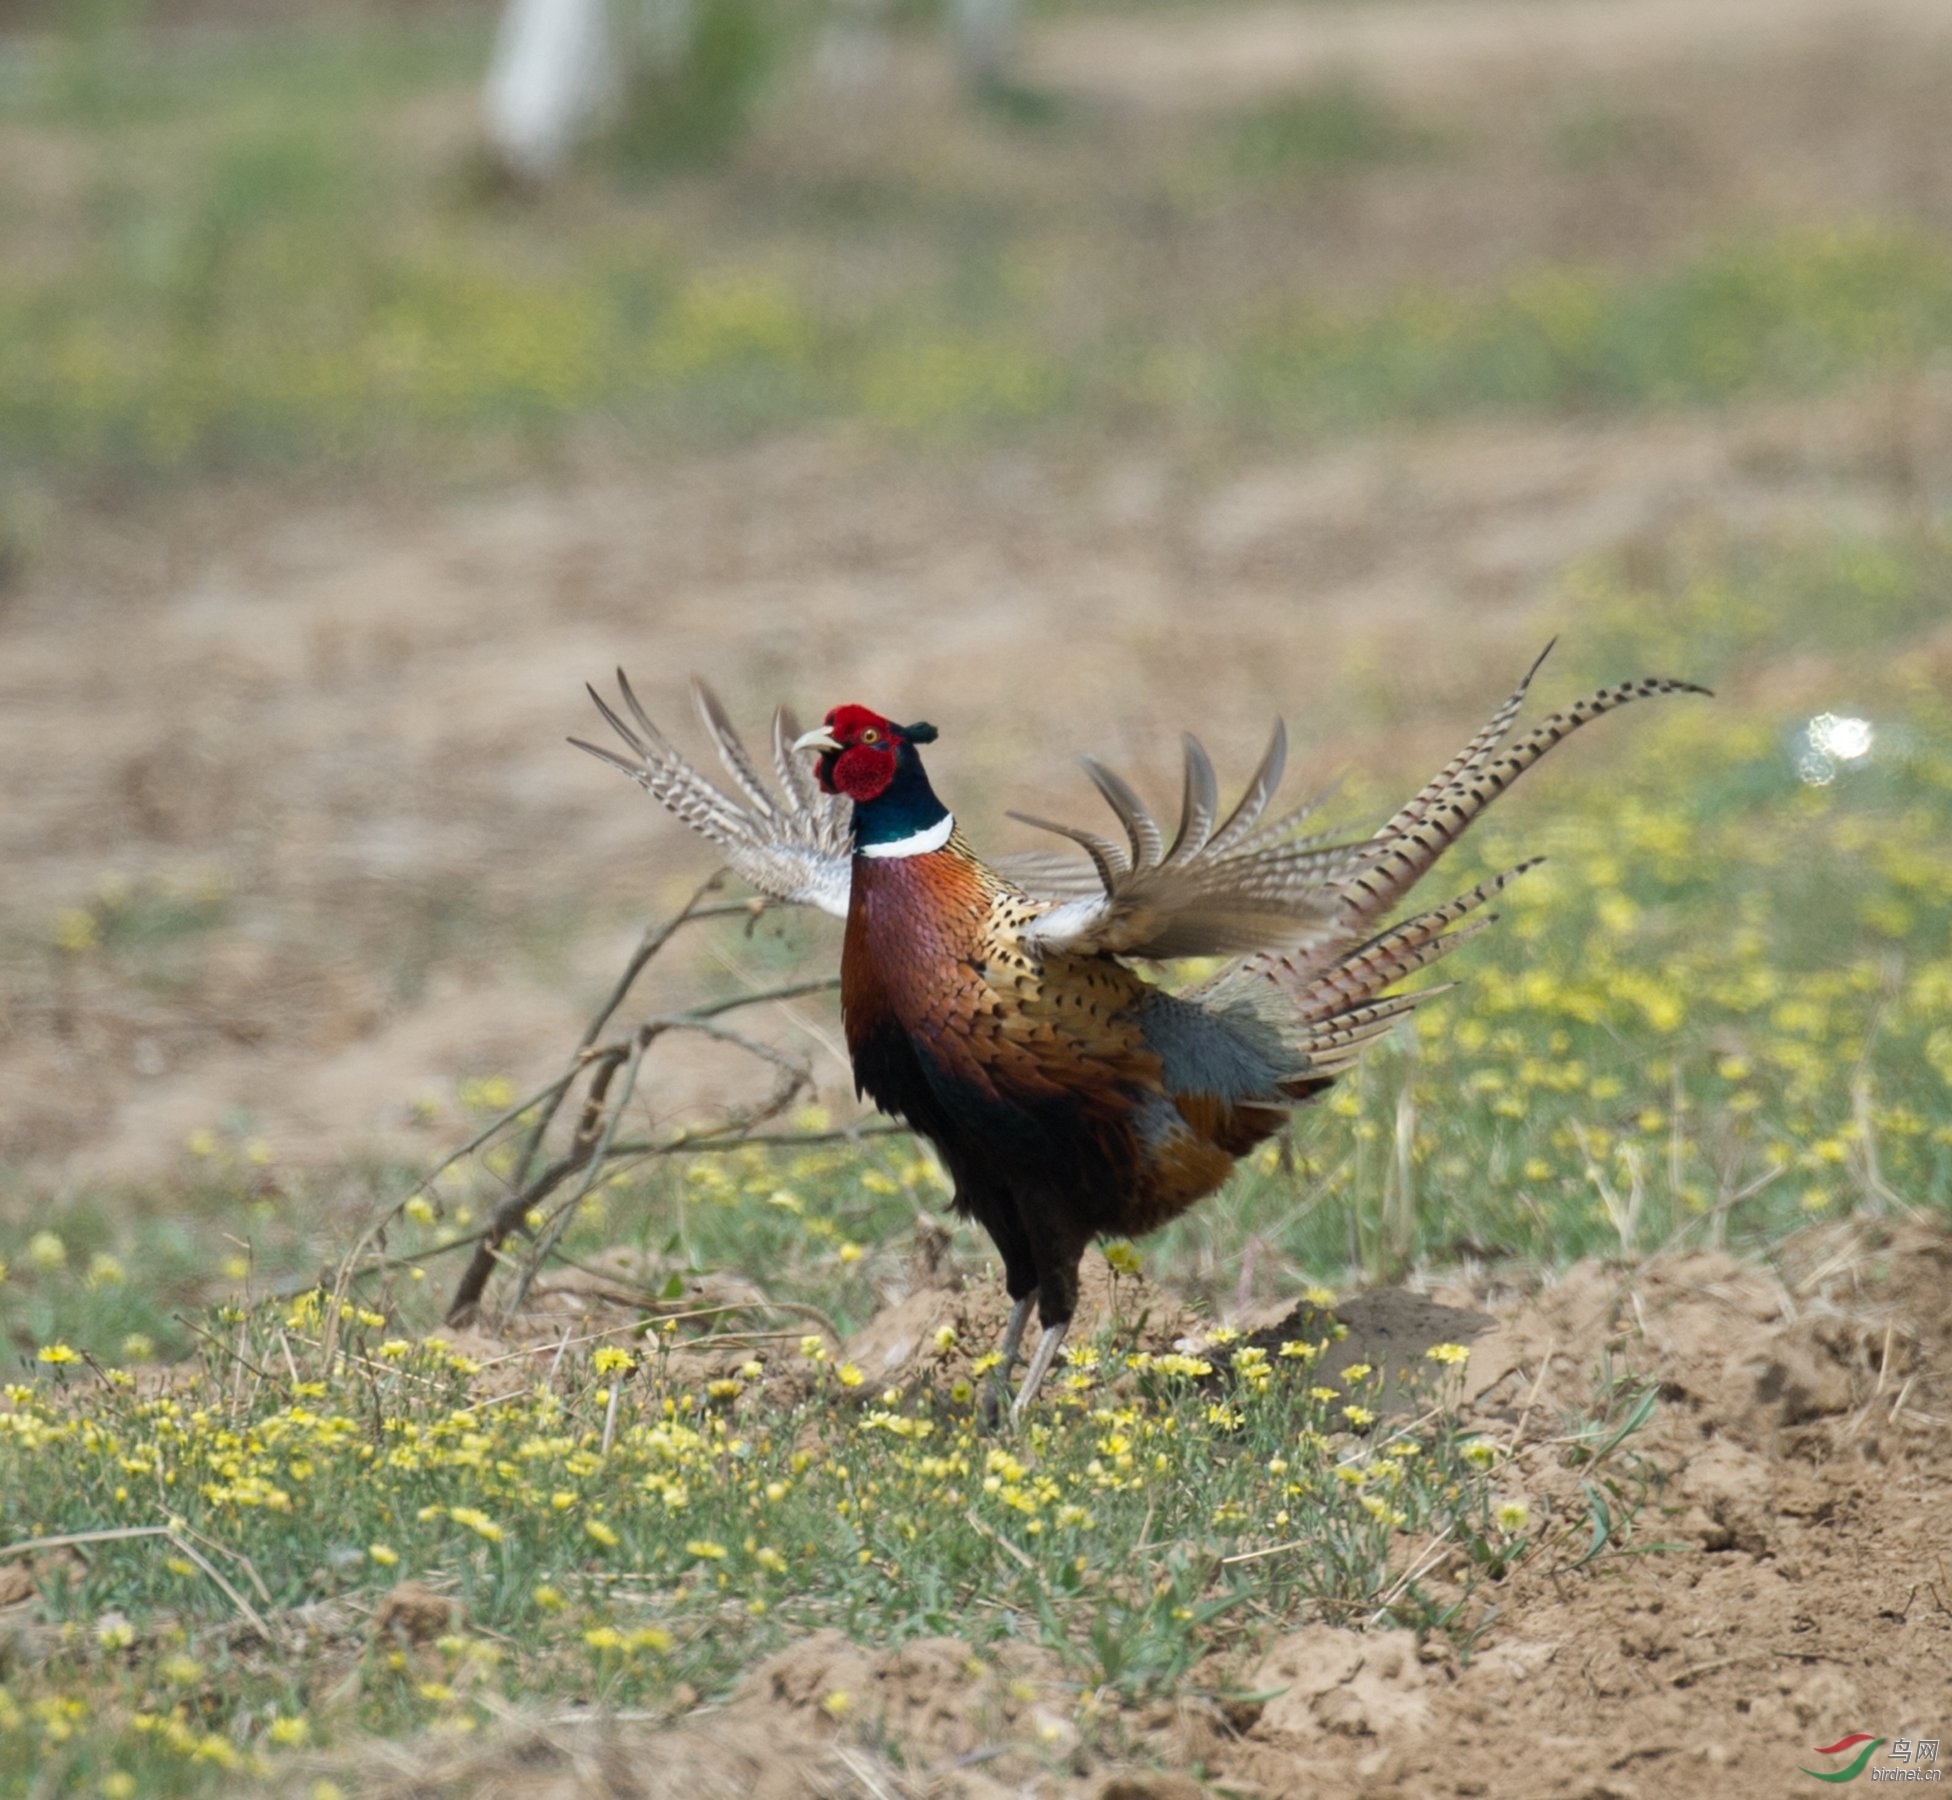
(864, 764)
(861, 771)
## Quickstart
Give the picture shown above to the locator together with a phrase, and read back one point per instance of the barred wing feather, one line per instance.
(793, 845)
(1225, 891)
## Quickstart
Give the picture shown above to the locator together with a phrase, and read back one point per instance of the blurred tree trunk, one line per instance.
(560, 67)
(986, 40)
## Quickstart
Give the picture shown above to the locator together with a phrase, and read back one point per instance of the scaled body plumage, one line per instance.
(1068, 1095)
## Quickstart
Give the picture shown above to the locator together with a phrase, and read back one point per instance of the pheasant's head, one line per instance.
(861, 752)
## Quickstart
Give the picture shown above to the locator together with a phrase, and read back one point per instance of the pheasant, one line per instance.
(997, 1008)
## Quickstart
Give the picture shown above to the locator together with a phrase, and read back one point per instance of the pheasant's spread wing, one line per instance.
(794, 845)
(1219, 889)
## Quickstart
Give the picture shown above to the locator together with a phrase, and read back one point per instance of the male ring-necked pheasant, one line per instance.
(998, 1013)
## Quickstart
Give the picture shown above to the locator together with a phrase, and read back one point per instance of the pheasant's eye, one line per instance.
(870, 736)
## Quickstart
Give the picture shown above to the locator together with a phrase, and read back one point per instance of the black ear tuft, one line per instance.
(920, 733)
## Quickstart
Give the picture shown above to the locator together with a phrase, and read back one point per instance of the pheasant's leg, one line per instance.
(1040, 1366)
(1012, 1346)
(1057, 1240)
(997, 1394)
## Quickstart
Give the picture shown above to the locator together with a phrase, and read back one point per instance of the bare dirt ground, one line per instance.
(1790, 1585)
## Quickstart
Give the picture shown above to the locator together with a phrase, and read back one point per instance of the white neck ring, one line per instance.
(920, 843)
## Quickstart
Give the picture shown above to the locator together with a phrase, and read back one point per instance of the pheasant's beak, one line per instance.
(819, 738)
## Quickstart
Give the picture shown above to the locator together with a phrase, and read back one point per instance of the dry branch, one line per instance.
(601, 1077)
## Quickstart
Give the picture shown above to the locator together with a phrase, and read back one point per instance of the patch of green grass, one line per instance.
(254, 345)
(1712, 610)
(621, 1529)
(106, 67)
(1327, 129)
(1782, 315)
(130, 1278)
(1597, 136)
(694, 107)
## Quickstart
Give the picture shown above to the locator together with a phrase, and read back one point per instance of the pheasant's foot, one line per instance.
(996, 1392)
(1040, 1366)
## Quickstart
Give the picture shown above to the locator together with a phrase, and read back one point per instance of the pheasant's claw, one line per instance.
(1040, 1366)
(996, 1391)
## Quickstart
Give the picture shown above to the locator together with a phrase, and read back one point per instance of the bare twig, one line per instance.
(603, 1077)
(610, 1418)
(594, 1144)
(718, 1139)
(223, 1349)
(1002, 1543)
(721, 1136)
(591, 1158)
(170, 1535)
(654, 939)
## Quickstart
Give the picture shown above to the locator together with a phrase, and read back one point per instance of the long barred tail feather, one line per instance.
(1328, 998)
(1333, 1044)
(1403, 949)
(1412, 844)
(1468, 758)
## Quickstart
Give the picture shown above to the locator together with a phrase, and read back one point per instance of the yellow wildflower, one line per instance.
(75, 929)
(476, 1521)
(45, 1250)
